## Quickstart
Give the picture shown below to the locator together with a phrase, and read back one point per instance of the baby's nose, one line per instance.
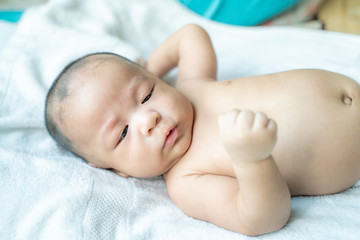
(149, 122)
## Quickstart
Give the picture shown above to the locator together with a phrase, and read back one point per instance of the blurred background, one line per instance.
(332, 15)
(11, 10)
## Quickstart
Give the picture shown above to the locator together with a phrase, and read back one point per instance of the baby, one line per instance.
(232, 152)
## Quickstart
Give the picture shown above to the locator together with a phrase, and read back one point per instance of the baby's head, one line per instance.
(115, 114)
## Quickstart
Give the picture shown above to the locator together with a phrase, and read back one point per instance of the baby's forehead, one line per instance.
(105, 74)
(97, 61)
(105, 62)
(96, 66)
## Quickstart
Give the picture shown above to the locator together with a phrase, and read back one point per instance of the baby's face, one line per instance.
(124, 118)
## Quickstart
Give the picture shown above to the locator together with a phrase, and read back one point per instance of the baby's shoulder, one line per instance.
(198, 88)
(189, 84)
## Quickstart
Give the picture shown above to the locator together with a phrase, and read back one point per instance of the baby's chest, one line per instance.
(207, 154)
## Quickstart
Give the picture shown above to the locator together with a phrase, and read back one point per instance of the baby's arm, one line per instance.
(257, 201)
(263, 197)
(190, 49)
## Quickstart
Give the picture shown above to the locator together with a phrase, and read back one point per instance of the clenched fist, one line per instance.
(247, 136)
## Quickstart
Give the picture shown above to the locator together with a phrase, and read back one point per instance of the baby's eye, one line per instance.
(148, 96)
(123, 134)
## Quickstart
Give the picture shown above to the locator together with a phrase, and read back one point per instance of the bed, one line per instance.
(48, 193)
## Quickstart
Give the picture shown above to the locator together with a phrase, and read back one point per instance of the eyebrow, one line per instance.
(134, 84)
(107, 127)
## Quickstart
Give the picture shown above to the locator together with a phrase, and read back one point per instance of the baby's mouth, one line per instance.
(171, 137)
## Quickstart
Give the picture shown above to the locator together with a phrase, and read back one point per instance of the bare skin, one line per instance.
(232, 152)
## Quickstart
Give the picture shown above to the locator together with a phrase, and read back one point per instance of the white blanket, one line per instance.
(47, 193)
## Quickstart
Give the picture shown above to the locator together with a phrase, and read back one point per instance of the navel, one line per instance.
(347, 100)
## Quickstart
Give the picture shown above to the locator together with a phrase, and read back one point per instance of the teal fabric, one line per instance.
(10, 16)
(239, 12)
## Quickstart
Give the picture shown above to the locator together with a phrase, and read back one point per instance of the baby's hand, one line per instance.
(246, 135)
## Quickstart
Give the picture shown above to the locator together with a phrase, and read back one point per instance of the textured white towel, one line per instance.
(47, 193)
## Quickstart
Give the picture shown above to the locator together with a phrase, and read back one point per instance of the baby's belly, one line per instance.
(318, 135)
(318, 118)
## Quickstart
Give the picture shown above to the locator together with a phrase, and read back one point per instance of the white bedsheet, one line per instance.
(7, 29)
(47, 193)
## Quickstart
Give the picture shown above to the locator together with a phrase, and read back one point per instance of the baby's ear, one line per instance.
(120, 173)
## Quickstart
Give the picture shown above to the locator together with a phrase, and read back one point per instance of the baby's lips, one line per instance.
(171, 136)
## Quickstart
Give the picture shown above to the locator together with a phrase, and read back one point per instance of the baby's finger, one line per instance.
(245, 119)
(260, 121)
(272, 125)
(227, 119)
